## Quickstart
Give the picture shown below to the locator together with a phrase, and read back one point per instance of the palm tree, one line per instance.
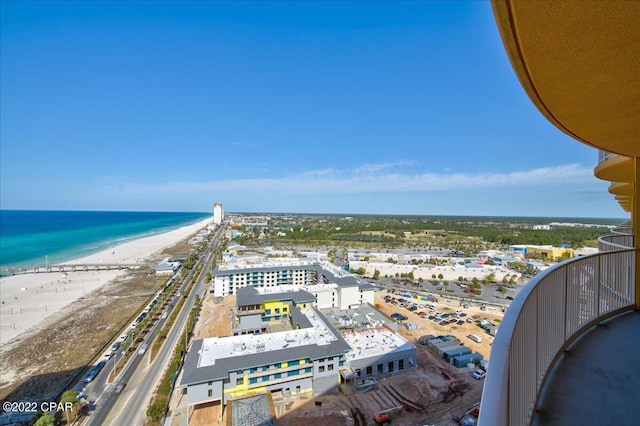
(69, 396)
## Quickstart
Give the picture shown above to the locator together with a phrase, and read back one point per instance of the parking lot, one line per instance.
(445, 317)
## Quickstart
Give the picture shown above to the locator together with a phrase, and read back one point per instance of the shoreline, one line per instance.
(27, 300)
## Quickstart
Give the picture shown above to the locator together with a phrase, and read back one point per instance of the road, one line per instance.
(141, 377)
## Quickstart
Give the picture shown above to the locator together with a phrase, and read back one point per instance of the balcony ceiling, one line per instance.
(579, 62)
(617, 168)
(621, 188)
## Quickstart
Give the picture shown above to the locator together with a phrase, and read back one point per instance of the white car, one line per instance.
(479, 374)
(143, 349)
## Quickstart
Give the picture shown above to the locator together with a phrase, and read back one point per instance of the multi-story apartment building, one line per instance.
(330, 287)
(264, 311)
(218, 213)
(567, 348)
(285, 346)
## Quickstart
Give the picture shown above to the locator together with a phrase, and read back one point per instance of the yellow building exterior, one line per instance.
(550, 253)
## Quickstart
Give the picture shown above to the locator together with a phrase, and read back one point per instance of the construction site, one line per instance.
(435, 392)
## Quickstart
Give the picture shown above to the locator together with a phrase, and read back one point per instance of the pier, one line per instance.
(62, 268)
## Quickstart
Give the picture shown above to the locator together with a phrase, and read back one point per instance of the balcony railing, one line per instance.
(624, 228)
(604, 155)
(615, 242)
(550, 313)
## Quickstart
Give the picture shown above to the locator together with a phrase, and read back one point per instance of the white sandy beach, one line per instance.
(27, 300)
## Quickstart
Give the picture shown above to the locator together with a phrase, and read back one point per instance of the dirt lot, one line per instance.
(434, 393)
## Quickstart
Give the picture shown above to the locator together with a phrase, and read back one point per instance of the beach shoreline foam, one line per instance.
(28, 300)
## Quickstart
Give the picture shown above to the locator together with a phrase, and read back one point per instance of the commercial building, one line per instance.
(168, 266)
(550, 253)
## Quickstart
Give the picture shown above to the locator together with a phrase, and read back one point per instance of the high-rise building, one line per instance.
(567, 349)
(218, 213)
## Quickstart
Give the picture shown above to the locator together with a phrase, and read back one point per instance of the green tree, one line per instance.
(360, 271)
(376, 274)
(503, 290)
(45, 419)
(440, 276)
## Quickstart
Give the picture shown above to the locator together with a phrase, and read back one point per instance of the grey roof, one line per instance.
(299, 318)
(250, 296)
(456, 350)
(220, 370)
(346, 281)
(367, 286)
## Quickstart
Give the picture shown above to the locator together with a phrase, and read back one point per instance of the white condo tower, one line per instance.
(218, 213)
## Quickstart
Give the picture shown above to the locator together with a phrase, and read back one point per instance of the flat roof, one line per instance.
(229, 269)
(213, 358)
(365, 330)
(374, 342)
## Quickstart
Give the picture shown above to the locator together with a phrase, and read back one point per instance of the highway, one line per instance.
(142, 377)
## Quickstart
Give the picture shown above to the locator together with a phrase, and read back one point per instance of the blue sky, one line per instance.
(327, 107)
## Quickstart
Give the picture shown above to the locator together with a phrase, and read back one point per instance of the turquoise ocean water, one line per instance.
(33, 237)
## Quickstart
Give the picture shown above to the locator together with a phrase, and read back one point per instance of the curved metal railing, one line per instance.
(605, 155)
(615, 242)
(551, 311)
(624, 228)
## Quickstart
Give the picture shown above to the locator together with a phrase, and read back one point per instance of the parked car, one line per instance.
(93, 371)
(479, 374)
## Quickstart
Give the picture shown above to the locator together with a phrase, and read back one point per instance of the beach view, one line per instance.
(321, 213)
